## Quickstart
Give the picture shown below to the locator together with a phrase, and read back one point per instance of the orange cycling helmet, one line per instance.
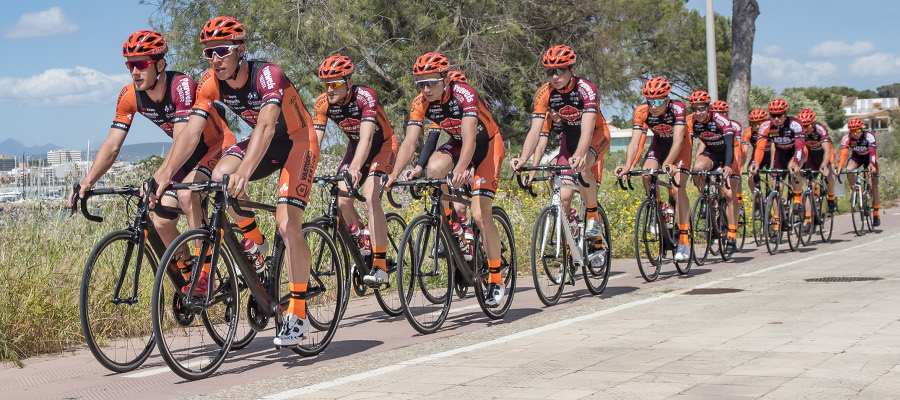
(456, 76)
(807, 116)
(758, 115)
(856, 123)
(336, 66)
(699, 97)
(559, 56)
(430, 62)
(222, 28)
(144, 43)
(778, 106)
(719, 106)
(656, 88)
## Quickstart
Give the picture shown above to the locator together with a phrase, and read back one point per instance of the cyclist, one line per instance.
(749, 138)
(283, 139)
(739, 153)
(165, 98)
(788, 141)
(474, 142)
(716, 150)
(670, 149)
(819, 151)
(585, 135)
(860, 146)
(371, 150)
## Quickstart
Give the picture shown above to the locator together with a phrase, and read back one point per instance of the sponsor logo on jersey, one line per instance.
(168, 128)
(570, 113)
(250, 116)
(586, 90)
(184, 91)
(283, 189)
(662, 130)
(267, 80)
(459, 89)
(451, 125)
(367, 99)
(350, 125)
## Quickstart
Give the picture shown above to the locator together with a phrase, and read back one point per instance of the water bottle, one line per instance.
(251, 250)
(669, 214)
(365, 244)
(468, 237)
(573, 221)
(457, 230)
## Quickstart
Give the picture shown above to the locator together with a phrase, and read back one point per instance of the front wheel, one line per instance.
(596, 275)
(648, 240)
(508, 266)
(388, 296)
(795, 224)
(757, 220)
(808, 224)
(549, 256)
(700, 221)
(424, 274)
(826, 223)
(773, 219)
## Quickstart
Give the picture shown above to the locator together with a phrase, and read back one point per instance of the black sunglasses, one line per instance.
(556, 71)
(699, 108)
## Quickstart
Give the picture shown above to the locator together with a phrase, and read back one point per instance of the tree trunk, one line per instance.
(743, 28)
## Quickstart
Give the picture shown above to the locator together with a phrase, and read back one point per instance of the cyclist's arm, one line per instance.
(366, 132)
(533, 136)
(429, 147)
(539, 150)
(260, 139)
(873, 153)
(467, 131)
(105, 157)
(587, 131)
(634, 147)
(677, 142)
(826, 148)
(183, 145)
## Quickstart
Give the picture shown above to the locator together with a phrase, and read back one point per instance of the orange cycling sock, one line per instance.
(732, 232)
(449, 213)
(379, 260)
(591, 213)
(796, 197)
(297, 303)
(831, 196)
(740, 198)
(685, 230)
(876, 210)
(250, 230)
(494, 268)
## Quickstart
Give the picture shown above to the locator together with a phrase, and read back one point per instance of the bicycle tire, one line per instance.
(644, 240)
(113, 344)
(795, 230)
(722, 221)
(826, 228)
(757, 220)
(507, 264)
(548, 270)
(684, 267)
(856, 213)
(808, 230)
(742, 229)
(244, 334)
(867, 207)
(702, 226)
(181, 327)
(388, 297)
(597, 278)
(773, 218)
(419, 246)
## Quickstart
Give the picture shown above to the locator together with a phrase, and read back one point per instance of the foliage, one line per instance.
(832, 113)
(888, 91)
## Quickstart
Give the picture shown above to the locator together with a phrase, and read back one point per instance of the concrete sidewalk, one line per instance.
(758, 331)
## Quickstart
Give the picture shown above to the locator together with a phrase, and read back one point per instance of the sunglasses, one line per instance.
(776, 115)
(140, 64)
(333, 84)
(219, 51)
(429, 83)
(699, 108)
(556, 71)
(655, 102)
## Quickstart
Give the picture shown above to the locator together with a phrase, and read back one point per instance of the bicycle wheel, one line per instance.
(648, 240)
(741, 229)
(244, 333)
(325, 291)
(826, 222)
(757, 221)
(773, 219)
(388, 296)
(424, 274)
(508, 266)
(808, 222)
(722, 223)
(700, 220)
(351, 275)
(795, 228)
(597, 277)
(684, 267)
(856, 213)
(867, 210)
(116, 331)
(181, 336)
(548, 256)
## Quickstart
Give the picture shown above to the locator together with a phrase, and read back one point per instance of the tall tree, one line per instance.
(743, 29)
(892, 90)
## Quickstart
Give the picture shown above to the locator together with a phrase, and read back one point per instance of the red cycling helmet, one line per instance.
(855, 124)
(222, 28)
(431, 62)
(336, 66)
(456, 76)
(758, 115)
(699, 97)
(719, 106)
(144, 43)
(656, 88)
(559, 56)
(806, 117)
(778, 106)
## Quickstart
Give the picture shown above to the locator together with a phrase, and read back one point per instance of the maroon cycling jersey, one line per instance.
(577, 99)
(818, 136)
(360, 105)
(717, 133)
(787, 137)
(861, 149)
(663, 125)
(459, 100)
(266, 84)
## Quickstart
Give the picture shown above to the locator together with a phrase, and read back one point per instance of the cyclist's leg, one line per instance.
(733, 195)
(589, 193)
(381, 165)
(682, 205)
(876, 200)
(487, 178)
(345, 204)
(702, 163)
(440, 163)
(226, 166)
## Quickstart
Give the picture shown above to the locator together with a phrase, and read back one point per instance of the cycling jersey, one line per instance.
(663, 128)
(174, 107)
(717, 134)
(861, 150)
(360, 105)
(461, 100)
(788, 138)
(818, 136)
(572, 102)
(295, 147)
(567, 147)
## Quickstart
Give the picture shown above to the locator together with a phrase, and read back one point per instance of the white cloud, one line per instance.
(790, 72)
(40, 24)
(878, 64)
(834, 48)
(773, 50)
(63, 86)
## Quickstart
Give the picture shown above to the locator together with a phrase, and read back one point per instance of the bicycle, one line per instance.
(758, 205)
(650, 239)
(819, 217)
(180, 340)
(357, 265)
(709, 217)
(557, 243)
(431, 262)
(860, 202)
(780, 217)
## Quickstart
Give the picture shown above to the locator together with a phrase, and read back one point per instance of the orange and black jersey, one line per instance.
(577, 99)
(818, 136)
(459, 100)
(862, 150)
(789, 137)
(361, 105)
(717, 133)
(174, 107)
(265, 84)
(662, 126)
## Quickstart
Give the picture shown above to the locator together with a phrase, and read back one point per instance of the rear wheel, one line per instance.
(795, 228)
(648, 240)
(810, 215)
(826, 225)
(773, 219)
(757, 221)
(700, 221)
(548, 256)
(741, 228)
(388, 296)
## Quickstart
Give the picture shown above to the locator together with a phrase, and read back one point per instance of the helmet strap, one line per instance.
(238, 69)
(158, 73)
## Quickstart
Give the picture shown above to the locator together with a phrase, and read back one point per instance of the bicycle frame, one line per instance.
(653, 194)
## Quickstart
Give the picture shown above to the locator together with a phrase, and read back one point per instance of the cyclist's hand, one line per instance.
(84, 188)
(752, 168)
(871, 168)
(412, 173)
(391, 178)
(527, 178)
(838, 171)
(355, 175)
(460, 176)
(237, 185)
(515, 164)
(669, 168)
(726, 172)
(577, 163)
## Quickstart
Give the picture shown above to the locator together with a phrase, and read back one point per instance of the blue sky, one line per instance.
(62, 68)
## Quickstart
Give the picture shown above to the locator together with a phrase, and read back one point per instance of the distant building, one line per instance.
(59, 157)
(875, 112)
(7, 163)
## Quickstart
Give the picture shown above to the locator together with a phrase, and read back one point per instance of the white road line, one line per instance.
(455, 310)
(787, 264)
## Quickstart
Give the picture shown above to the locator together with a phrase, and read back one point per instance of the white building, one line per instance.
(59, 157)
